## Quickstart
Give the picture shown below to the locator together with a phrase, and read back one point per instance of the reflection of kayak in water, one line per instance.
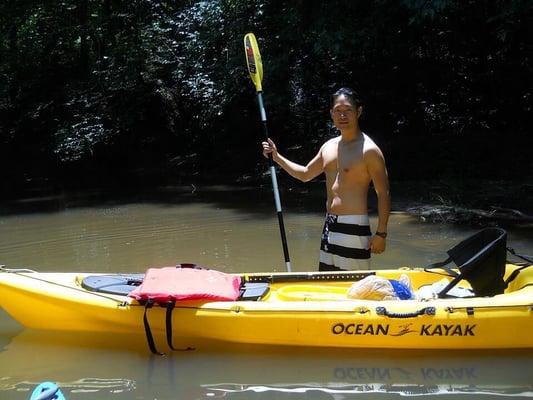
(226, 391)
(105, 366)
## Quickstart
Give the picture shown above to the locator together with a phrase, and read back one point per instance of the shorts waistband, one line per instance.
(353, 219)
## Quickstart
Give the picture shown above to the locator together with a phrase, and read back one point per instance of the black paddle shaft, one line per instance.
(274, 185)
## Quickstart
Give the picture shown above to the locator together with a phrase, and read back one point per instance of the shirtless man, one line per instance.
(350, 162)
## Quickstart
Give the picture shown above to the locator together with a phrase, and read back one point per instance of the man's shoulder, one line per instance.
(370, 148)
(332, 140)
(369, 144)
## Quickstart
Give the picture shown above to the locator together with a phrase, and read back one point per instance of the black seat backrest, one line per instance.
(481, 260)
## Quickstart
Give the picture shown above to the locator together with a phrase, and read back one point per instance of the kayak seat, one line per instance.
(480, 259)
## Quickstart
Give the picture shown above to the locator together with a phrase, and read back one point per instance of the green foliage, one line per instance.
(87, 82)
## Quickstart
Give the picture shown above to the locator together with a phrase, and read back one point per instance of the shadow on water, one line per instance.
(231, 228)
(89, 367)
(257, 200)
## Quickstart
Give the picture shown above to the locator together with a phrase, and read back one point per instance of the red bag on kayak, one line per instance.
(162, 285)
(165, 286)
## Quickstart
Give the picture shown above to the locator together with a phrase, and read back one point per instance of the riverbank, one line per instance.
(461, 202)
(473, 203)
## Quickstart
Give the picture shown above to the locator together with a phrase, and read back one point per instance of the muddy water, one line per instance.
(232, 232)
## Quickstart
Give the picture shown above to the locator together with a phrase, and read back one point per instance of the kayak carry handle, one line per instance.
(422, 311)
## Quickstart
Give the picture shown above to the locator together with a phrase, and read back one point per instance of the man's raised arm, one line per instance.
(303, 173)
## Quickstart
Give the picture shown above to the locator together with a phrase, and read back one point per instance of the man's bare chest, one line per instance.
(344, 159)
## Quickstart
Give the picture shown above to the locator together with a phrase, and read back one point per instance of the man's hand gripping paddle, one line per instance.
(255, 68)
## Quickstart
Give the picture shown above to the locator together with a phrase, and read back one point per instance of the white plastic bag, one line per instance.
(430, 292)
(376, 288)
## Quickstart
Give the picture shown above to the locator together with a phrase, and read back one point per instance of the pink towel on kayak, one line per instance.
(171, 283)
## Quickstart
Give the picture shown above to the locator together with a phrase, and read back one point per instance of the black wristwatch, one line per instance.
(382, 234)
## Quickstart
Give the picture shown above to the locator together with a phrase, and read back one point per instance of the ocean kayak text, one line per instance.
(384, 330)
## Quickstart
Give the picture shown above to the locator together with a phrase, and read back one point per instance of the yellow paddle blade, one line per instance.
(253, 60)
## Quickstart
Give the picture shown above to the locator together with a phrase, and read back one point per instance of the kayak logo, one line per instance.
(360, 329)
(383, 330)
(447, 330)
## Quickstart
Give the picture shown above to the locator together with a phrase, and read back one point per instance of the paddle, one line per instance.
(255, 68)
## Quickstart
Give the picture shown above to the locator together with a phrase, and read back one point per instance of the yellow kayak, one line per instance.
(294, 309)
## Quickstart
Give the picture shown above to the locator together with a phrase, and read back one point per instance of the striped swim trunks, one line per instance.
(345, 243)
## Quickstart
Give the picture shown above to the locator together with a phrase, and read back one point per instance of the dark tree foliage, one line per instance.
(141, 92)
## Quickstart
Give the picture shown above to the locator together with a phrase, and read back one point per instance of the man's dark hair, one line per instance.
(350, 94)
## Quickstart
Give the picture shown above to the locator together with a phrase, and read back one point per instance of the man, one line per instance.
(350, 162)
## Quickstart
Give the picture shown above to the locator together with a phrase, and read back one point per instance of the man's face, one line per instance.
(344, 114)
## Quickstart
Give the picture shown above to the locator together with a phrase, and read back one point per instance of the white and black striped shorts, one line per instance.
(345, 243)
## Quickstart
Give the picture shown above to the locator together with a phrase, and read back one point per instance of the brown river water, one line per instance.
(232, 231)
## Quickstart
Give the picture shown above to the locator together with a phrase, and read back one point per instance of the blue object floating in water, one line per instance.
(47, 391)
